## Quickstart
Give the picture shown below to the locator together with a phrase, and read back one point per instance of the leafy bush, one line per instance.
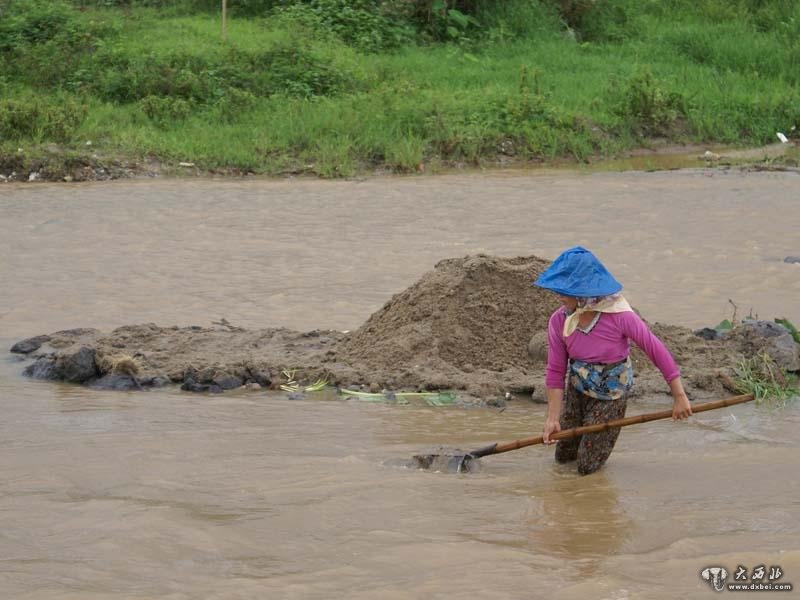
(649, 108)
(28, 23)
(165, 110)
(444, 20)
(37, 119)
(25, 22)
(43, 42)
(290, 70)
(126, 76)
(360, 23)
(235, 102)
(287, 64)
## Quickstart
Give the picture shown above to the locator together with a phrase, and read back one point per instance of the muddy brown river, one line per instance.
(167, 494)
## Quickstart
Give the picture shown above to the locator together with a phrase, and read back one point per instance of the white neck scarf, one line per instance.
(615, 303)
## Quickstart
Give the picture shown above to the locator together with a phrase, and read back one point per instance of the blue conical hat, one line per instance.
(578, 272)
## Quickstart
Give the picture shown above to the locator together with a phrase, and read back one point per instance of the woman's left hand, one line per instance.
(681, 408)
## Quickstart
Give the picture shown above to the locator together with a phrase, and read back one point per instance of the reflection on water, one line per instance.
(250, 495)
(581, 518)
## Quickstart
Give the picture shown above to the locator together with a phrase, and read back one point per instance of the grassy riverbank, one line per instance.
(302, 89)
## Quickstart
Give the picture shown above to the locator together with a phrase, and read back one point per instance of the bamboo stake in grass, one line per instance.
(224, 20)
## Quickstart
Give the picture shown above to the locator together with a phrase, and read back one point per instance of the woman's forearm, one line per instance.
(555, 397)
(676, 387)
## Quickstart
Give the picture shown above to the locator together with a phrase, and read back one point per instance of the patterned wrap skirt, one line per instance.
(594, 394)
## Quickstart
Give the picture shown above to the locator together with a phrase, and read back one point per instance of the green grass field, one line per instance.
(290, 92)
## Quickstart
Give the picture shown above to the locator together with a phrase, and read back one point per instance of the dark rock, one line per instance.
(241, 372)
(30, 345)
(116, 381)
(207, 375)
(260, 375)
(792, 259)
(43, 368)
(76, 366)
(154, 381)
(707, 333)
(766, 329)
(227, 381)
(192, 386)
(190, 375)
(522, 387)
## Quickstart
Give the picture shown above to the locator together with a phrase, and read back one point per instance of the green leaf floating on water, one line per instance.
(369, 397)
(432, 398)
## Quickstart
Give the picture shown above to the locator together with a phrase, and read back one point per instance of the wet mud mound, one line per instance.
(473, 312)
(473, 324)
(466, 324)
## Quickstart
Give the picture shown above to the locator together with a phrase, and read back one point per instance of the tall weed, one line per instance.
(332, 157)
(648, 105)
(405, 153)
(33, 118)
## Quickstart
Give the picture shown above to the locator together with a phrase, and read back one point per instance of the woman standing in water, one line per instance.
(588, 346)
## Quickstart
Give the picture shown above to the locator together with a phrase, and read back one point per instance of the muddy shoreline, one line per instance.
(55, 164)
(473, 325)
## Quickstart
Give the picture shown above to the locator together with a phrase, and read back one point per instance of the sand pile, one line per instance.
(473, 312)
(468, 317)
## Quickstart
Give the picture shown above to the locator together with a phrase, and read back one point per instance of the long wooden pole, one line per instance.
(643, 418)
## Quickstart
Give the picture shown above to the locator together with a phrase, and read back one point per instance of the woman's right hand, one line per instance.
(550, 427)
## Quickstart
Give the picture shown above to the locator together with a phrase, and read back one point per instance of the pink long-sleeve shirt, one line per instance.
(608, 342)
